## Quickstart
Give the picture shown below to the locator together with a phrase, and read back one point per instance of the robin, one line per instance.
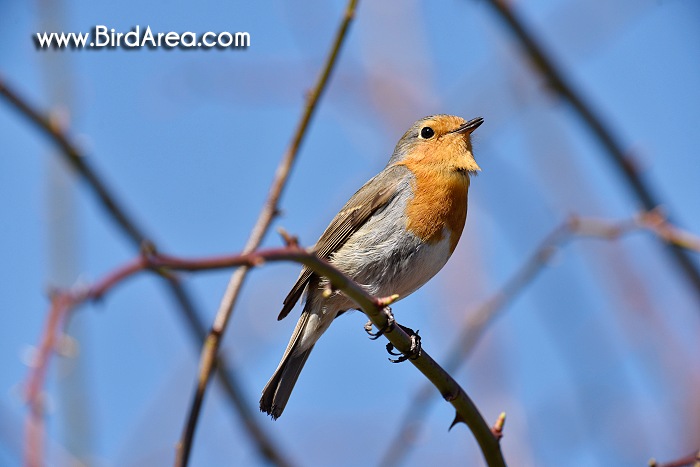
(391, 237)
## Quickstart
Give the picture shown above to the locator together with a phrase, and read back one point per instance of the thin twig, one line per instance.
(375, 308)
(52, 128)
(625, 165)
(657, 223)
(479, 319)
(691, 460)
(267, 214)
(108, 201)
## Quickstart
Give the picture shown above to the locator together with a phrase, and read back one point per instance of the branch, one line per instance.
(269, 211)
(51, 128)
(63, 302)
(479, 319)
(691, 460)
(625, 165)
(448, 387)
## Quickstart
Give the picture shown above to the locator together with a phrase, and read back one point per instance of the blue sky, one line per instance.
(592, 363)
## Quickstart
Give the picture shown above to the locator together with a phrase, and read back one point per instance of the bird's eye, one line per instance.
(426, 132)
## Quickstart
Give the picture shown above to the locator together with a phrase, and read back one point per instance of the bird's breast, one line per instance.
(438, 206)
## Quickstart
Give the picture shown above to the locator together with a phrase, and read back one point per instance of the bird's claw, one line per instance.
(390, 348)
(412, 354)
(389, 326)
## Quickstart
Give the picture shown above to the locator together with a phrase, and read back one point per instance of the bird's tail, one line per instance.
(279, 388)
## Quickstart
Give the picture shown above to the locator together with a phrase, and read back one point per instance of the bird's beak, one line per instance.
(470, 126)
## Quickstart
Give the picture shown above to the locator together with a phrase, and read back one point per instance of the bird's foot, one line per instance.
(389, 326)
(412, 354)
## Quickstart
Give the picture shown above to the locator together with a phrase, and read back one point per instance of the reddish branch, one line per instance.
(75, 158)
(375, 308)
(691, 460)
(64, 301)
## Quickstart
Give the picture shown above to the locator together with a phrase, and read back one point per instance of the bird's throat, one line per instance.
(439, 204)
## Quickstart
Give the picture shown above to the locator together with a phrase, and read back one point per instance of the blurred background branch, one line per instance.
(55, 130)
(691, 460)
(478, 319)
(64, 302)
(623, 161)
(605, 339)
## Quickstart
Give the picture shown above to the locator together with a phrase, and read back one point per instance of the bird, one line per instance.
(391, 237)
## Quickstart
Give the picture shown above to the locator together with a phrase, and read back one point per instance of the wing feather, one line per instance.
(373, 196)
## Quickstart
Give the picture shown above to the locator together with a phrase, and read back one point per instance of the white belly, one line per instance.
(387, 259)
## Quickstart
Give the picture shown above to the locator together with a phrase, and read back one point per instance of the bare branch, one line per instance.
(289, 240)
(656, 222)
(625, 165)
(691, 460)
(267, 214)
(375, 308)
(52, 128)
(478, 319)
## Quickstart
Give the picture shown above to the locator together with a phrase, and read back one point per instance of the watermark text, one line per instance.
(102, 37)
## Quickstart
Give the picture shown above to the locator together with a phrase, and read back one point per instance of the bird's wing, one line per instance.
(374, 195)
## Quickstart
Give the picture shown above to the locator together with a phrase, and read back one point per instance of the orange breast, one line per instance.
(439, 201)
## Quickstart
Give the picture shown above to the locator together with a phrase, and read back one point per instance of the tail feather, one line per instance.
(314, 320)
(279, 388)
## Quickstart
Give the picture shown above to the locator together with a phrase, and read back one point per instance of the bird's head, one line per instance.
(441, 142)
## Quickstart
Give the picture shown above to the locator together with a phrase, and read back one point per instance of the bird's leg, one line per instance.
(415, 349)
(389, 326)
(413, 353)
